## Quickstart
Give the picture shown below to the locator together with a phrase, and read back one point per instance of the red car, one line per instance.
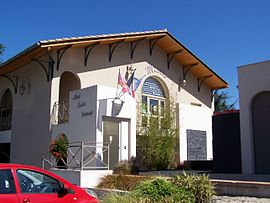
(28, 184)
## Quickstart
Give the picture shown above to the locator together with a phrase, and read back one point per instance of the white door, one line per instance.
(117, 134)
(111, 135)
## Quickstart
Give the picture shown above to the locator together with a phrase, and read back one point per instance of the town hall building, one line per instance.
(80, 87)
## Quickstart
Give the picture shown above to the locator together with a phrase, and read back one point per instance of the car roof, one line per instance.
(15, 165)
(23, 166)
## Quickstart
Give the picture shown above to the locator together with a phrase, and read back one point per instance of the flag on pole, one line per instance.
(131, 85)
(122, 82)
(137, 82)
(130, 80)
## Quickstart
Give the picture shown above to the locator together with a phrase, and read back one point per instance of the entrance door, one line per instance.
(111, 135)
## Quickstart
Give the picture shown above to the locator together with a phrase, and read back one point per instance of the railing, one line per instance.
(60, 113)
(80, 156)
(5, 118)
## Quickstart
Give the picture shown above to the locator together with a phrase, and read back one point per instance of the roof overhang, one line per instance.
(162, 38)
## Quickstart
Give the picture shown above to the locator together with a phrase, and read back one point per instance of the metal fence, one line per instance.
(80, 156)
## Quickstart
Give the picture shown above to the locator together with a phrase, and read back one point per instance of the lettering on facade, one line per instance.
(79, 105)
(151, 70)
(82, 105)
(84, 114)
(76, 96)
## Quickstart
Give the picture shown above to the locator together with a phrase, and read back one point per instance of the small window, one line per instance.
(144, 104)
(35, 182)
(154, 106)
(7, 185)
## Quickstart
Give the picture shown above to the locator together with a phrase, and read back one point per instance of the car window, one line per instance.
(35, 182)
(7, 185)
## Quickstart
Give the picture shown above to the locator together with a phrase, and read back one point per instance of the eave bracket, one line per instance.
(60, 54)
(201, 81)
(170, 57)
(49, 69)
(187, 68)
(112, 48)
(153, 42)
(133, 46)
(87, 51)
(13, 80)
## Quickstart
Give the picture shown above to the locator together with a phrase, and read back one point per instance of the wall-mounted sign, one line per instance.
(196, 145)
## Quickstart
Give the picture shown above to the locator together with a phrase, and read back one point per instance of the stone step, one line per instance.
(242, 188)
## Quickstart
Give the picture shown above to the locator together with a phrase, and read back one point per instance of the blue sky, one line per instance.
(224, 34)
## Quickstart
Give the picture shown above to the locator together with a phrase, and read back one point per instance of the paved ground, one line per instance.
(228, 199)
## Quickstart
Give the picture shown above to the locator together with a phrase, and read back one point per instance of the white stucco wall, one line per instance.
(30, 135)
(86, 179)
(102, 72)
(252, 80)
(195, 118)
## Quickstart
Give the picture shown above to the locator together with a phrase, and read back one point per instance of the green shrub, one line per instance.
(153, 191)
(161, 190)
(123, 168)
(121, 182)
(156, 137)
(127, 167)
(199, 185)
(128, 198)
(133, 198)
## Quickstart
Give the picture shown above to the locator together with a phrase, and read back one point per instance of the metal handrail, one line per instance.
(60, 113)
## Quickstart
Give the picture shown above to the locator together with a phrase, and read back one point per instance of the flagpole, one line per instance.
(116, 96)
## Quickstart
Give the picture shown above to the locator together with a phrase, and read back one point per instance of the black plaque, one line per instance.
(196, 145)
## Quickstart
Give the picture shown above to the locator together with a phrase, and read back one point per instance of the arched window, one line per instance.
(68, 83)
(6, 111)
(153, 96)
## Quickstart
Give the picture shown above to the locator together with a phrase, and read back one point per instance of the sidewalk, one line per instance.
(229, 199)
